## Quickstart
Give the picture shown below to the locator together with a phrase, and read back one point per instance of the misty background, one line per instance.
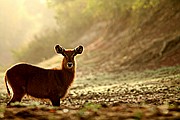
(116, 34)
(20, 20)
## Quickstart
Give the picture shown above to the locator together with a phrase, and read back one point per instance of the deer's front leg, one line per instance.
(55, 101)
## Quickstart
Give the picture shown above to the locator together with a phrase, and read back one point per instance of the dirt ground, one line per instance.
(104, 89)
(149, 94)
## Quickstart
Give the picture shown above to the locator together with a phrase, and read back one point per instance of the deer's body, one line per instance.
(43, 83)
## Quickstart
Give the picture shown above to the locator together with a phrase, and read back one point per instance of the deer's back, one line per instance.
(37, 81)
(21, 74)
(24, 71)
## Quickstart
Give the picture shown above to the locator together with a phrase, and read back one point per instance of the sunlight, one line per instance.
(42, 1)
(27, 18)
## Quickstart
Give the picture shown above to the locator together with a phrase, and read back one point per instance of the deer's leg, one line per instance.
(55, 101)
(17, 96)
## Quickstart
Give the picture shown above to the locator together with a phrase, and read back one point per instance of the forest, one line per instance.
(129, 69)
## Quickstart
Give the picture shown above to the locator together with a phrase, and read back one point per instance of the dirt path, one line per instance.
(126, 95)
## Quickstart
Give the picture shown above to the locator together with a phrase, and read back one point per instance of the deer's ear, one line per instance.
(79, 49)
(59, 49)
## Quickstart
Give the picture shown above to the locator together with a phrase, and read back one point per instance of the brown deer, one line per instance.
(52, 84)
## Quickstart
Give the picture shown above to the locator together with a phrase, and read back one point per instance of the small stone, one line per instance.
(65, 110)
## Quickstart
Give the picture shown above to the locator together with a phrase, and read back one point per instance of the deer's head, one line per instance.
(68, 60)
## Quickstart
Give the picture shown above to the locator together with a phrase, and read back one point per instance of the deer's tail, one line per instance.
(6, 82)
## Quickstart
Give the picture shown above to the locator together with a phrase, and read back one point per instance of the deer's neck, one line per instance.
(68, 76)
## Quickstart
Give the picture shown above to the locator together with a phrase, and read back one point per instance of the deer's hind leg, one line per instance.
(17, 95)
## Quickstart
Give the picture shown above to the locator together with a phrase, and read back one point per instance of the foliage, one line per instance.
(73, 18)
(144, 4)
(39, 49)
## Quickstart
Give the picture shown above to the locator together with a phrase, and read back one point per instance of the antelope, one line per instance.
(51, 84)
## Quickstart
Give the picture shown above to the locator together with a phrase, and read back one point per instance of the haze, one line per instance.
(20, 20)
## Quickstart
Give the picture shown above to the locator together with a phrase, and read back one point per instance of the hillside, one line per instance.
(152, 43)
(132, 34)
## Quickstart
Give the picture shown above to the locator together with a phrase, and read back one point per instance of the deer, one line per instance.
(52, 84)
